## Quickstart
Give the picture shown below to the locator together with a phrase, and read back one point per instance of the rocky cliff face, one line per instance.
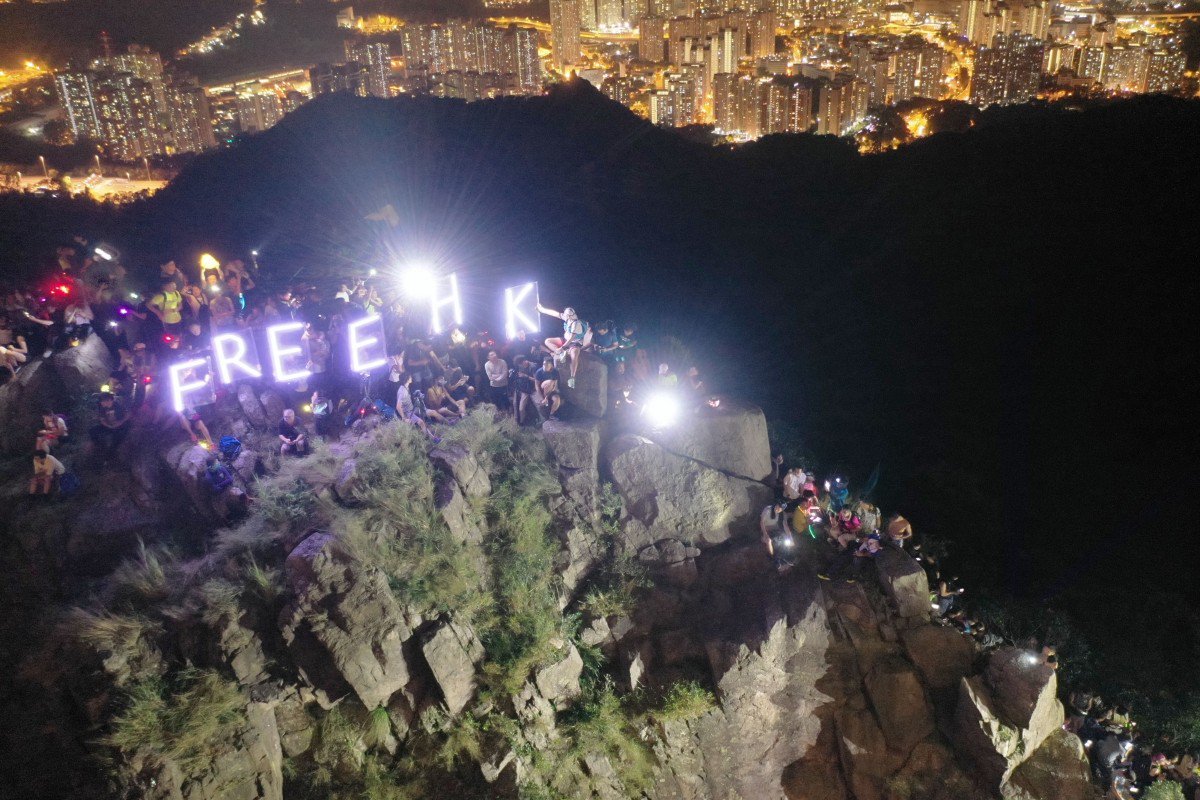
(442, 620)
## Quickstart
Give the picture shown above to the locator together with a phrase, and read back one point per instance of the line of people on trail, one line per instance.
(840, 537)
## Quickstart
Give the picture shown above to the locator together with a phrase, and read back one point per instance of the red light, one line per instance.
(168, 338)
(146, 380)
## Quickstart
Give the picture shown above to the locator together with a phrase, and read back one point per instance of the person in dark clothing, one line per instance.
(854, 559)
(113, 426)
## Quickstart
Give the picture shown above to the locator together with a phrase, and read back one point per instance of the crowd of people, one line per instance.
(840, 537)
(429, 380)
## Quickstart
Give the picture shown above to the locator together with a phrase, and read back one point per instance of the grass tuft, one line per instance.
(685, 701)
(187, 720)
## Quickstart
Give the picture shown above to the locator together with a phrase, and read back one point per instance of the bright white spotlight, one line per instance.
(661, 410)
(418, 282)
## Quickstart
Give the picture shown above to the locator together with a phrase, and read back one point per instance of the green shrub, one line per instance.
(601, 725)
(288, 505)
(378, 728)
(522, 556)
(130, 638)
(685, 701)
(483, 435)
(265, 582)
(1164, 790)
(338, 745)
(145, 580)
(185, 720)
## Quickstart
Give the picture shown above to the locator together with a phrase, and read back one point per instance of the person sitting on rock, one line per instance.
(217, 474)
(569, 345)
(854, 559)
(406, 409)
(845, 523)
(520, 380)
(546, 380)
(604, 340)
(946, 596)
(45, 469)
(899, 530)
(193, 425)
(52, 432)
(838, 491)
(777, 535)
(439, 400)
(291, 435)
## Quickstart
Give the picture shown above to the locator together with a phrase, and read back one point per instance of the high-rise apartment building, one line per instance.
(982, 21)
(133, 108)
(191, 116)
(328, 78)
(77, 95)
(1164, 71)
(1009, 72)
(652, 33)
(258, 111)
(841, 105)
(528, 64)
(376, 58)
(565, 26)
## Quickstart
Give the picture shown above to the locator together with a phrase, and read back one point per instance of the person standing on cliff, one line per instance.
(777, 536)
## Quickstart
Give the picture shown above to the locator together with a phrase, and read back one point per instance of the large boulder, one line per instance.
(574, 444)
(667, 496)
(906, 585)
(590, 395)
(560, 681)
(942, 655)
(818, 775)
(466, 526)
(53, 383)
(1058, 770)
(904, 712)
(1004, 715)
(452, 651)
(251, 406)
(462, 466)
(1024, 688)
(732, 439)
(343, 629)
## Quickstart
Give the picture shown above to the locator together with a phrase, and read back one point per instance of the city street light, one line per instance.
(45, 170)
(146, 161)
(98, 170)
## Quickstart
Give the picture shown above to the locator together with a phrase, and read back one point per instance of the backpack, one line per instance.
(230, 447)
(68, 483)
(384, 410)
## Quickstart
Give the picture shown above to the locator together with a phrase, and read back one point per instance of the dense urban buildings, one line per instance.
(747, 69)
(135, 108)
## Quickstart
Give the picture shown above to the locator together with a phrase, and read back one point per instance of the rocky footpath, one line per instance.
(374, 625)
